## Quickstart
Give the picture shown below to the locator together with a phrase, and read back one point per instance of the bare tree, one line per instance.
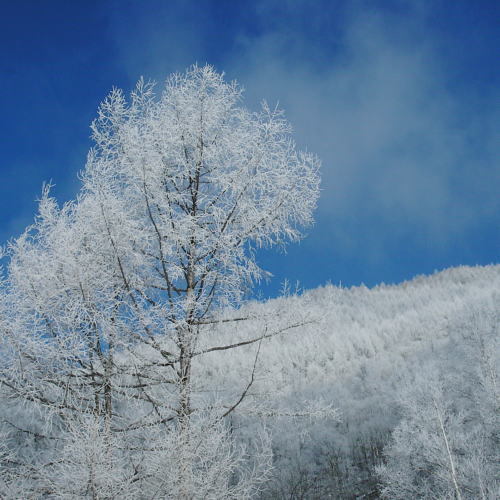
(108, 297)
(446, 444)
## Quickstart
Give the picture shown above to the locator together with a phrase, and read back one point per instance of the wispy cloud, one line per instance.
(399, 149)
(408, 156)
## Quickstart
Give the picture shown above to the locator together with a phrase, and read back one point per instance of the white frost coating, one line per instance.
(106, 298)
(195, 180)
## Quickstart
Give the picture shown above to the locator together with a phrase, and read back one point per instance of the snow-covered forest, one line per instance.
(396, 361)
(393, 361)
(134, 366)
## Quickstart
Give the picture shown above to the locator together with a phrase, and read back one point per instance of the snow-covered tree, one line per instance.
(446, 444)
(109, 300)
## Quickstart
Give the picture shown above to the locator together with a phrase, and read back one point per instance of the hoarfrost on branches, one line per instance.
(108, 298)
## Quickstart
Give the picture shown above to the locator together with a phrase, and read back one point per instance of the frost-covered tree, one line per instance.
(446, 445)
(109, 300)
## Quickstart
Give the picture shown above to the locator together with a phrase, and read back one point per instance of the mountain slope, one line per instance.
(358, 349)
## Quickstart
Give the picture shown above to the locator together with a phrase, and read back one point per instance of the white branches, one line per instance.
(108, 297)
(446, 444)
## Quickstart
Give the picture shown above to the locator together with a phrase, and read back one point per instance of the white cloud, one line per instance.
(403, 156)
(395, 142)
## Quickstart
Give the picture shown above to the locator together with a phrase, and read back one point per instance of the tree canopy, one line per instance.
(107, 297)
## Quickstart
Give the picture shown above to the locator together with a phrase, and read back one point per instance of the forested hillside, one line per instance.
(387, 356)
(366, 392)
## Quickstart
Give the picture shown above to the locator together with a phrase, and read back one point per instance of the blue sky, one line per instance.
(400, 100)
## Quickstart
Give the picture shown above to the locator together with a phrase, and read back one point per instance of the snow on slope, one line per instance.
(349, 330)
(358, 347)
